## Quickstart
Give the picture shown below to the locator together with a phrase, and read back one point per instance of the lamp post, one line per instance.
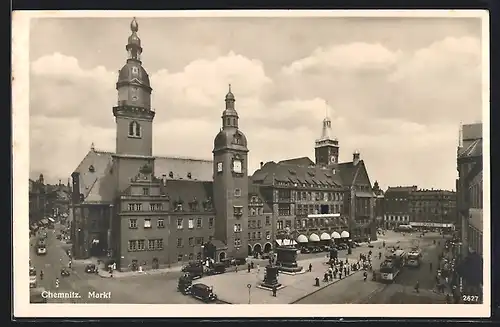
(249, 286)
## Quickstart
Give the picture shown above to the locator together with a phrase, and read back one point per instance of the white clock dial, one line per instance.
(237, 166)
(332, 159)
(219, 167)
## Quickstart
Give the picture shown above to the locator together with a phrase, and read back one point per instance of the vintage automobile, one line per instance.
(91, 269)
(305, 250)
(64, 272)
(184, 284)
(203, 292)
(195, 271)
(216, 268)
(187, 267)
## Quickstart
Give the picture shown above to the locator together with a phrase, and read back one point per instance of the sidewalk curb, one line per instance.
(322, 287)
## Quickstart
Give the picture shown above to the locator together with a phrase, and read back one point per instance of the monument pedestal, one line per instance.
(270, 279)
(287, 260)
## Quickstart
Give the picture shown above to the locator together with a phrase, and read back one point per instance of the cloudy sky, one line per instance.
(396, 88)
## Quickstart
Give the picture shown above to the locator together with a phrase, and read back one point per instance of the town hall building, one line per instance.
(141, 209)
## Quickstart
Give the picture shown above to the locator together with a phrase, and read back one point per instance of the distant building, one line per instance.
(37, 200)
(433, 206)
(379, 204)
(397, 205)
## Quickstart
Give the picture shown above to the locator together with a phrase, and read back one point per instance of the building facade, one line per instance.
(143, 210)
(470, 207)
(433, 206)
(397, 205)
(379, 205)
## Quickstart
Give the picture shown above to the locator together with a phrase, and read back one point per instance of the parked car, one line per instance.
(203, 292)
(195, 271)
(355, 244)
(64, 272)
(91, 269)
(217, 268)
(184, 284)
(190, 265)
(305, 250)
(266, 255)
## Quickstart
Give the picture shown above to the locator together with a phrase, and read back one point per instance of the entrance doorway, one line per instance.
(249, 250)
(267, 247)
(222, 256)
(257, 248)
(155, 263)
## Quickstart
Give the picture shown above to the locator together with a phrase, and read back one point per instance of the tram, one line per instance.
(391, 267)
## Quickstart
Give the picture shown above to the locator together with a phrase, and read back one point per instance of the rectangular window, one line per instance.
(145, 191)
(179, 242)
(259, 235)
(238, 211)
(280, 225)
(198, 223)
(155, 206)
(260, 211)
(268, 220)
(199, 240)
(249, 236)
(268, 235)
(132, 223)
(288, 223)
(132, 245)
(237, 192)
(237, 242)
(211, 222)
(191, 241)
(254, 235)
(151, 245)
(147, 223)
(252, 212)
(135, 206)
(180, 223)
(179, 257)
(259, 223)
(159, 244)
(237, 228)
(160, 223)
(141, 245)
(191, 223)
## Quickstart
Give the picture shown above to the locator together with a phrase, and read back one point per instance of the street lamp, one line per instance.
(249, 286)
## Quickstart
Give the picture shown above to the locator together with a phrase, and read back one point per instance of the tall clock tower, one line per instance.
(133, 114)
(231, 182)
(327, 148)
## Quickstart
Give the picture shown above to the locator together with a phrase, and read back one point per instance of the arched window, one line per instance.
(134, 129)
(228, 121)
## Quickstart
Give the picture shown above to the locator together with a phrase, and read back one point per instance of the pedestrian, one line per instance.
(310, 267)
(335, 274)
(348, 271)
(248, 268)
(330, 275)
(274, 290)
(325, 277)
(345, 271)
(258, 268)
(235, 268)
(340, 274)
(417, 286)
(251, 265)
(365, 276)
(379, 255)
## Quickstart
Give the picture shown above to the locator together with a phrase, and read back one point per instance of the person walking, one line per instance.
(248, 267)
(417, 287)
(365, 276)
(310, 267)
(258, 268)
(274, 290)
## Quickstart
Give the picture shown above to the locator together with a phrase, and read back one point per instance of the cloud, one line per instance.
(346, 57)
(400, 109)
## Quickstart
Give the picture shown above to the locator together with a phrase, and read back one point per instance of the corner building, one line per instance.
(140, 209)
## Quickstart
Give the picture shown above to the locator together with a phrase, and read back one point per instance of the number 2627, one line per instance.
(470, 298)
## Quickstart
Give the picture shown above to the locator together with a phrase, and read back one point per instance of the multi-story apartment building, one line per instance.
(432, 206)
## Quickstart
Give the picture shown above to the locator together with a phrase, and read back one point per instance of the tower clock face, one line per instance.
(237, 166)
(332, 159)
(219, 167)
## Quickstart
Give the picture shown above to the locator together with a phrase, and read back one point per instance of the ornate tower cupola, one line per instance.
(230, 116)
(326, 147)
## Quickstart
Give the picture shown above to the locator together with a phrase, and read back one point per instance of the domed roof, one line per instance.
(230, 138)
(134, 39)
(133, 70)
(229, 95)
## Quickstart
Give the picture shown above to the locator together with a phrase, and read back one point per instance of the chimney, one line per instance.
(261, 164)
(355, 158)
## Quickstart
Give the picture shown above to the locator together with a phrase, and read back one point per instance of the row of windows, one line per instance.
(190, 257)
(308, 209)
(139, 207)
(140, 245)
(134, 129)
(476, 195)
(132, 223)
(192, 241)
(320, 196)
(282, 224)
(397, 218)
(308, 185)
(258, 235)
(256, 211)
(317, 222)
(191, 223)
(258, 223)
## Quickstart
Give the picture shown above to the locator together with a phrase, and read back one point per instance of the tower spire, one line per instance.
(133, 47)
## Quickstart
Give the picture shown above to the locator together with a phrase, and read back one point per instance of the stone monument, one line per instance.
(270, 278)
(286, 259)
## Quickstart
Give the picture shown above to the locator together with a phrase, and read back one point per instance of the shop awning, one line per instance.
(302, 239)
(335, 235)
(325, 237)
(314, 238)
(344, 234)
(286, 242)
(52, 220)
